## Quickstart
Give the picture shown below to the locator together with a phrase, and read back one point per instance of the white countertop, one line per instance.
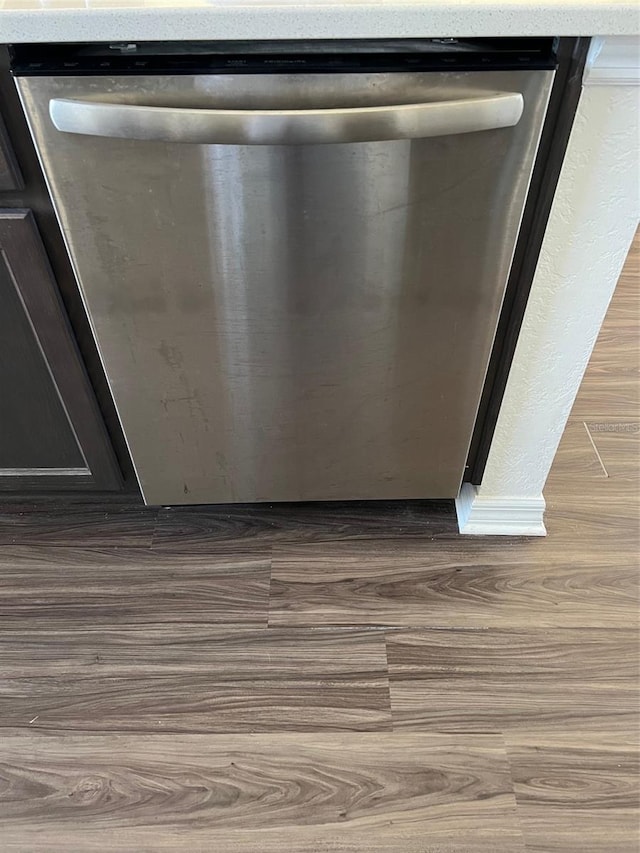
(108, 20)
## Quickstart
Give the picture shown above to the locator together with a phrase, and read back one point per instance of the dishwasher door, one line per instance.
(294, 280)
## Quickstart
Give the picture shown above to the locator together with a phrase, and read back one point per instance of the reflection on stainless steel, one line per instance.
(287, 322)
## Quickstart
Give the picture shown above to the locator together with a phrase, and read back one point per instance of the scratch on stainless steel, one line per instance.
(293, 322)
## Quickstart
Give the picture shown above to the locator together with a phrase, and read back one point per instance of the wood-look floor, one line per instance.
(344, 678)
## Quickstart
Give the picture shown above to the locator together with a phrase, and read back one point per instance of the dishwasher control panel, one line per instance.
(279, 57)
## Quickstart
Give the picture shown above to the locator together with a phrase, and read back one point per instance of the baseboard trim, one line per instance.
(495, 516)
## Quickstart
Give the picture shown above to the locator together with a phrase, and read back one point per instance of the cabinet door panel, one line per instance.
(10, 177)
(51, 431)
(35, 431)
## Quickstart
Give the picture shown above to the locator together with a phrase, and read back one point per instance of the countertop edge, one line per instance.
(461, 18)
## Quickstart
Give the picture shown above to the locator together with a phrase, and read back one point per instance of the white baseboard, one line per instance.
(494, 516)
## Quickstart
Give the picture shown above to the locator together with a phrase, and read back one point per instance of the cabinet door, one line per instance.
(10, 177)
(51, 431)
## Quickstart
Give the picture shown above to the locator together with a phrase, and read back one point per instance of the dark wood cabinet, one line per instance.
(52, 434)
(10, 176)
(59, 431)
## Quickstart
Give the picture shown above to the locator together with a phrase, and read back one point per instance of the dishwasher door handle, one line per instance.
(287, 127)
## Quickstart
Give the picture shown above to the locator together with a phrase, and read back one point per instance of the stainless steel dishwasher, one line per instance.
(293, 256)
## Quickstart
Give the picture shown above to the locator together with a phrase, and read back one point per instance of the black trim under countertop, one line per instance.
(282, 57)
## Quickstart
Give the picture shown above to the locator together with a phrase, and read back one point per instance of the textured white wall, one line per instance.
(592, 222)
(594, 216)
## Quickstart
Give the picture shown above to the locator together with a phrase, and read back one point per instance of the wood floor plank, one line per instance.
(463, 583)
(597, 450)
(608, 396)
(397, 793)
(65, 586)
(576, 458)
(618, 444)
(602, 513)
(177, 680)
(505, 680)
(112, 525)
(233, 527)
(577, 792)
